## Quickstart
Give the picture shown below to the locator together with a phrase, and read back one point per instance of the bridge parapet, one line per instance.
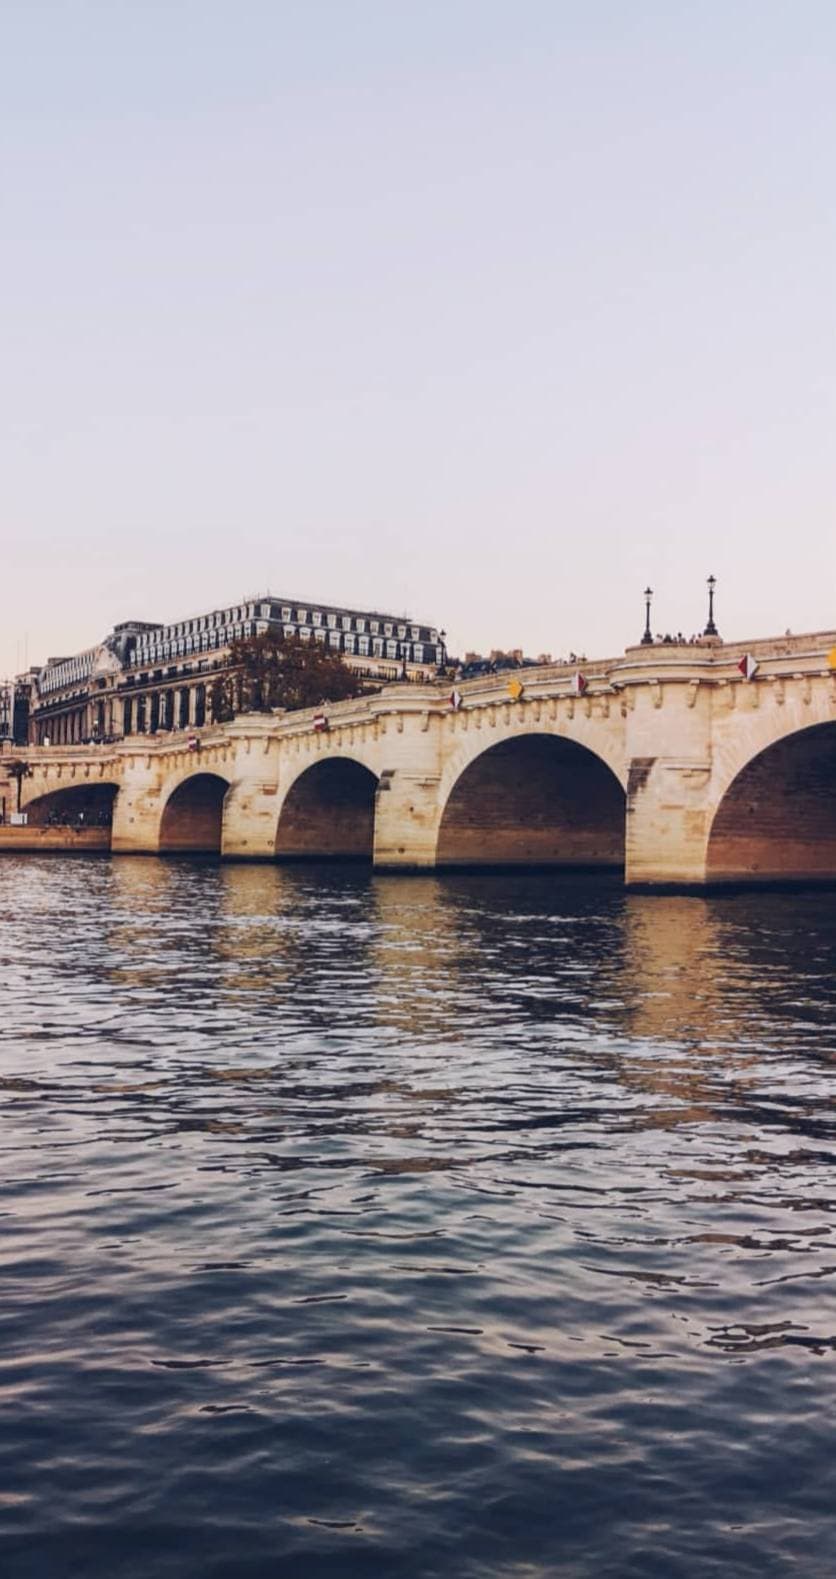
(676, 726)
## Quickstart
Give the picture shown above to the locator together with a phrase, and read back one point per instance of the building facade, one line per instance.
(144, 677)
(15, 702)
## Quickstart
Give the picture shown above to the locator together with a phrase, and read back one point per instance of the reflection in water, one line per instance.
(450, 1226)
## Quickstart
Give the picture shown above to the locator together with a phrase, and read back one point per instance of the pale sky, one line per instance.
(491, 310)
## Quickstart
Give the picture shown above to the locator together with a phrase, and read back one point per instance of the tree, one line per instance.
(20, 771)
(271, 671)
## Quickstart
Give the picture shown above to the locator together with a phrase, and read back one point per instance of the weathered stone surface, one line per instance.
(670, 764)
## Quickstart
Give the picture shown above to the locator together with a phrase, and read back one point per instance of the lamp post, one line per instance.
(442, 637)
(647, 639)
(711, 628)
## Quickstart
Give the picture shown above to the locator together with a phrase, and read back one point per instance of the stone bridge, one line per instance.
(680, 765)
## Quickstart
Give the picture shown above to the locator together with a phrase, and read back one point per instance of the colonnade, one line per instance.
(147, 712)
(64, 729)
(169, 708)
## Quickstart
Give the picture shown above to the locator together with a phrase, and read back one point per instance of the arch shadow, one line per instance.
(776, 822)
(192, 818)
(82, 805)
(534, 801)
(328, 813)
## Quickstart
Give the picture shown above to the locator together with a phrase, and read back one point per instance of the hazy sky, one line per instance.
(488, 309)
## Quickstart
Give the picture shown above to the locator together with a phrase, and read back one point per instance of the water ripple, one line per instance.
(447, 1227)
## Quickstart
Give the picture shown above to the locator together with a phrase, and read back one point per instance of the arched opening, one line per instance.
(193, 817)
(328, 814)
(79, 806)
(777, 820)
(534, 801)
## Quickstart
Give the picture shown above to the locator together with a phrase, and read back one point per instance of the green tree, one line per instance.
(272, 671)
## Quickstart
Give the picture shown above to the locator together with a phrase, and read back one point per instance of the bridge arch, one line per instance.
(191, 822)
(533, 799)
(775, 817)
(88, 803)
(328, 812)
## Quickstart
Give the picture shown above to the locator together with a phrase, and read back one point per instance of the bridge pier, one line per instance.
(407, 817)
(668, 819)
(136, 821)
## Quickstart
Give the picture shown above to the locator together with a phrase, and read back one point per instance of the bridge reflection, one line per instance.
(675, 986)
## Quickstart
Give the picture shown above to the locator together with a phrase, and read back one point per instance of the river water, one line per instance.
(462, 1226)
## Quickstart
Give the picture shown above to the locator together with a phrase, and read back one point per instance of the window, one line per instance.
(285, 614)
(334, 639)
(346, 622)
(402, 631)
(361, 625)
(418, 652)
(350, 643)
(302, 616)
(320, 635)
(363, 645)
(387, 630)
(265, 611)
(332, 621)
(391, 649)
(377, 646)
(317, 617)
(375, 627)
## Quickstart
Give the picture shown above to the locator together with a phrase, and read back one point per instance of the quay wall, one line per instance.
(40, 841)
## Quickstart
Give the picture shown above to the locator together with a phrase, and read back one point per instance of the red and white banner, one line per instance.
(579, 683)
(320, 721)
(748, 667)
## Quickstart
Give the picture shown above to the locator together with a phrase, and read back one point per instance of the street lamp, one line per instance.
(647, 639)
(442, 637)
(711, 628)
